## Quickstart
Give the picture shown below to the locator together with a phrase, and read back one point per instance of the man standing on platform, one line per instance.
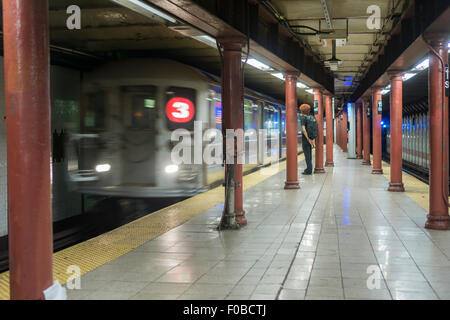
(309, 130)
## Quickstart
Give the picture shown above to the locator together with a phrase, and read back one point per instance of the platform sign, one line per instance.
(446, 80)
(380, 107)
(316, 106)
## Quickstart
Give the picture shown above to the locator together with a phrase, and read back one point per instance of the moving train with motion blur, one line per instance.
(129, 110)
(111, 142)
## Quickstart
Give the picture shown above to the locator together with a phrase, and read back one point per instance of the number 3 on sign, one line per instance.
(180, 110)
(183, 110)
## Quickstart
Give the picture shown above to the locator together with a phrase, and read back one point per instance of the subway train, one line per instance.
(415, 141)
(111, 143)
(129, 112)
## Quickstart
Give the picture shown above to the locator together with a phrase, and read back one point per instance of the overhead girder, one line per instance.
(269, 40)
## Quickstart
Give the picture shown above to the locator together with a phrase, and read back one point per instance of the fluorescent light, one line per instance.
(132, 4)
(421, 65)
(278, 75)
(208, 40)
(301, 85)
(385, 91)
(310, 91)
(258, 65)
(408, 75)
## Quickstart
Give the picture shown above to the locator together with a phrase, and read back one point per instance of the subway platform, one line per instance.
(341, 236)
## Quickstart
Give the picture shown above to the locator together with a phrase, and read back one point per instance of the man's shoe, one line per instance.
(307, 172)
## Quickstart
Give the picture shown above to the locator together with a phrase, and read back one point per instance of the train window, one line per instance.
(94, 114)
(180, 108)
(142, 106)
(141, 111)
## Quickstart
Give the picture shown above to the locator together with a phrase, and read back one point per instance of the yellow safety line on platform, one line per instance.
(95, 252)
(417, 190)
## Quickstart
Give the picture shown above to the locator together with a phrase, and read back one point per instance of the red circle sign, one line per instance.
(180, 110)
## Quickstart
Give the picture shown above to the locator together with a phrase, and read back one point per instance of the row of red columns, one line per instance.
(27, 96)
(438, 217)
(292, 129)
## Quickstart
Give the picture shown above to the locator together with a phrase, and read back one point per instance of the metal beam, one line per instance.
(218, 20)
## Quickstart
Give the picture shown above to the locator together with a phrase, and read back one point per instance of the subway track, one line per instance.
(418, 172)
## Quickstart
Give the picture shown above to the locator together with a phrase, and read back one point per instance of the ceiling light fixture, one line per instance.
(208, 40)
(144, 8)
(258, 64)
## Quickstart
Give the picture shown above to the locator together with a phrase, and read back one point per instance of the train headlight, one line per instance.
(105, 167)
(171, 168)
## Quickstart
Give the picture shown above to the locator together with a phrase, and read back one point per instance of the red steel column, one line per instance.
(358, 131)
(319, 140)
(438, 217)
(232, 91)
(27, 97)
(291, 132)
(338, 130)
(344, 130)
(366, 133)
(376, 132)
(329, 118)
(396, 183)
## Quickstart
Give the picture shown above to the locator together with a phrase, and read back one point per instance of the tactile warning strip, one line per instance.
(417, 190)
(104, 248)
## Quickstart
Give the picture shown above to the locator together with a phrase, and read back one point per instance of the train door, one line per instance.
(215, 171)
(270, 117)
(417, 139)
(403, 138)
(283, 134)
(251, 120)
(421, 140)
(262, 133)
(408, 132)
(139, 114)
(424, 140)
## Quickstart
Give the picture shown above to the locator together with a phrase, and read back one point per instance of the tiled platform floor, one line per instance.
(314, 243)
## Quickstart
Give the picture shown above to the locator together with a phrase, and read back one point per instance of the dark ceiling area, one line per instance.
(110, 31)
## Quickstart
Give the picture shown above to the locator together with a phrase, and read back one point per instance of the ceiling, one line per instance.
(110, 31)
(362, 43)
